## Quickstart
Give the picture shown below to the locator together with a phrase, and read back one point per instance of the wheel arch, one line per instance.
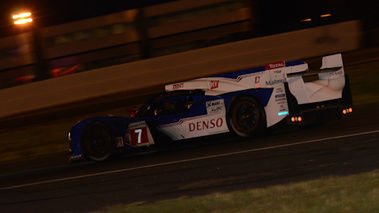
(84, 133)
(261, 95)
(262, 103)
(235, 99)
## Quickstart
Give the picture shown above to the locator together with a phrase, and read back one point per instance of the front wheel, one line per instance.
(97, 142)
(246, 117)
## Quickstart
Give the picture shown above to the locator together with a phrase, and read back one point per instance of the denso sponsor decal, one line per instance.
(257, 79)
(336, 73)
(206, 124)
(275, 65)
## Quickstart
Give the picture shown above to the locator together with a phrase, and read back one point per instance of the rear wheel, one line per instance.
(97, 142)
(246, 117)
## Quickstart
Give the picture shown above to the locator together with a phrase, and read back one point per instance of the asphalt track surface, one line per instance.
(198, 167)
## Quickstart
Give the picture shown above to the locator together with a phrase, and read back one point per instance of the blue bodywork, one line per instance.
(118, 126)
(201, 107)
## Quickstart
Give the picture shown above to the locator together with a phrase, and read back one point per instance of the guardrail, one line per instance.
(138, 75)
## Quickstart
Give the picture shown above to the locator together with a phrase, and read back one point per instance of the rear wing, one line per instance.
(324, 84)
(313, 72)
(331, 63)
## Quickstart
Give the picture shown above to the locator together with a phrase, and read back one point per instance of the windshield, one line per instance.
(167, 104)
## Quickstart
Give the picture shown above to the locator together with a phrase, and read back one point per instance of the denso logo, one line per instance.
(336, 73)
(257, 79)
(208, 124)
(214, 84)
(275, 65)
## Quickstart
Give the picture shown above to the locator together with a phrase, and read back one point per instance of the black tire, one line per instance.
(246, 117)
(97, 142)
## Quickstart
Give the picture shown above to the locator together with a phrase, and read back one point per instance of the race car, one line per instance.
(243, 103)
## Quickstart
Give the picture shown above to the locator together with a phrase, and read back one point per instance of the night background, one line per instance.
(62, 74)
(272, 14)
(48, 13)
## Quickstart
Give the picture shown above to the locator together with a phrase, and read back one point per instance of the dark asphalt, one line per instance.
(198, 167)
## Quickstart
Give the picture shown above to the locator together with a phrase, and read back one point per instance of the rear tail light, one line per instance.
(347, 110)
(296, 119)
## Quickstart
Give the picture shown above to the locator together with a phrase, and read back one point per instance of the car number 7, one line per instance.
(139, 136)
(139, 132)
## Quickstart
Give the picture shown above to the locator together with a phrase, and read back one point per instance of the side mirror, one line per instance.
(132, 111)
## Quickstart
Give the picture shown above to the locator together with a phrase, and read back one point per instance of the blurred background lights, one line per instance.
(325, 15)
(306, 20)
(22, 15)
(22, 18)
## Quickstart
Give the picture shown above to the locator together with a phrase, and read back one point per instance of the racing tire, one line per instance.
(97, 142)
(246, 117)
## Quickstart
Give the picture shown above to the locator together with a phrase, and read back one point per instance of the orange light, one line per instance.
(350, 110)
(344, 111)
(299, 119)
(306, 20)
(325, 15)
(23, 21)
(22, 18)
(293, 119)
(22, 15)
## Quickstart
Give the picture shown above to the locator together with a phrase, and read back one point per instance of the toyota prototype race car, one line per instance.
(244, 103)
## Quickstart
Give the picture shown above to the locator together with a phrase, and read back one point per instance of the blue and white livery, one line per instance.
(244, 103)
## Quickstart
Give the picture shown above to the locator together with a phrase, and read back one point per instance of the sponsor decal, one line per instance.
(215, 106)
(279, 90)
(280, 96)
(177, 86)
(279, 100)
(137, 124)
(336, 73)
(214, 84)
(257, 79)
(275, 65)
(76, 157)
(207, 124)
(119, 142)
(273, 82)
